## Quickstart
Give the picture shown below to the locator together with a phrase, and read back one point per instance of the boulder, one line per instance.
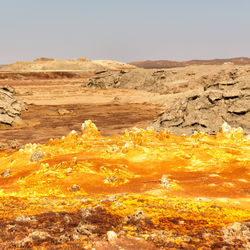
(10, 107)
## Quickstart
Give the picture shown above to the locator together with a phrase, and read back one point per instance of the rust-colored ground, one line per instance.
(42, 122)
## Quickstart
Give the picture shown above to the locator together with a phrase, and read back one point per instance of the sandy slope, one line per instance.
(81, 64)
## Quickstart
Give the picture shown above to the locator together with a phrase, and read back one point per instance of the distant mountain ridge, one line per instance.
(173, 64)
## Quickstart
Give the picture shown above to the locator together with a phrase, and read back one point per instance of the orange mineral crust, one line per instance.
(152, 190)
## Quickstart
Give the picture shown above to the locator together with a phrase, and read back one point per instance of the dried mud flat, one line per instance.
(119, 190)
(42, 122)
(57, 106)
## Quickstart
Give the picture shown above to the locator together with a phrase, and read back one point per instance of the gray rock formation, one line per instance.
(157, 81)
(10, 107)
(196, 99)
(206, 110)
(169, 81)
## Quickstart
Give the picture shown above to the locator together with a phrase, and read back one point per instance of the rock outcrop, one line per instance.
(170, 81)
(10, 106)
(157, 81)
(195, 98)
(207, 109)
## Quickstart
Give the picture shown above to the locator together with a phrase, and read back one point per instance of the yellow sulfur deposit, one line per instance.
(182, 184)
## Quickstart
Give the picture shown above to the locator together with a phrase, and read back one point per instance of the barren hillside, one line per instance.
(158, 64)
(81, 64)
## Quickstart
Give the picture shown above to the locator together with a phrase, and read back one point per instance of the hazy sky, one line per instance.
(124, 30)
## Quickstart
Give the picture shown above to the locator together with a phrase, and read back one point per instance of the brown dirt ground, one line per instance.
(43, 122)
(112, 110)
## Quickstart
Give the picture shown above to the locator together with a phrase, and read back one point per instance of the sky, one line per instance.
(124, 30)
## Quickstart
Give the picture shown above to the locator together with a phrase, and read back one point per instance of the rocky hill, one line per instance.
(81, 64)
(158, 64)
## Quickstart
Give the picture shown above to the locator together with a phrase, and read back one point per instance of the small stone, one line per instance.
(84, 200)
(111, 198)
(112, 236)
(39, 235)
(128, 218)
(85, 229)
(202, 199)
(6, 173)
(116, 99)
(63, 111)
(74, 159)
(212, 185)
(75, 188)
(236, 226)
(165, 182)
(139, 215)
(23, 218)
(85, 212)
(68, 170)
(110, 179)
(75, 237)
(36, 156)
(99, 207)
(9, 89)
(213, 175)
(232, 94)
(214, 95)
(3, 146)
(14, 144)
(118, 204)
